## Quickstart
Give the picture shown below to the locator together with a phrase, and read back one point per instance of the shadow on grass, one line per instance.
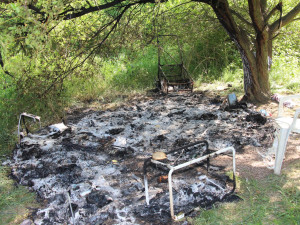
(273, 200)
(16, 201)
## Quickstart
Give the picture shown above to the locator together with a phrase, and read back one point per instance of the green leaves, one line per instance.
(15, 7)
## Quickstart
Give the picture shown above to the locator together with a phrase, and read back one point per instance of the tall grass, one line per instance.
(285, 74)
(125, 73)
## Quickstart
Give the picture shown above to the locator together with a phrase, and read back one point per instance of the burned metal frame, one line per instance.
(22, 119)
(181, 81)
(183, 165)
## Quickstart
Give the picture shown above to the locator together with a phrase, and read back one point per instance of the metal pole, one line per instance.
(171, 193)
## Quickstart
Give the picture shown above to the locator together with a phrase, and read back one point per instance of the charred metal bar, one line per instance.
(183, 165)
(22, 118)
(189, 145)
(150, 160)
(193, 162)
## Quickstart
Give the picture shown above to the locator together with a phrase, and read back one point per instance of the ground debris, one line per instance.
(98, 160)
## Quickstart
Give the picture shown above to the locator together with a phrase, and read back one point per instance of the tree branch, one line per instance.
(83, 11)
(36, 10)
(241, 18)
(209, 2)
(65, 74)
(256, 15)
(286, 19)
(273, 12)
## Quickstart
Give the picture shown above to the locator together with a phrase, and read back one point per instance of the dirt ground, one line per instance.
(252, 164)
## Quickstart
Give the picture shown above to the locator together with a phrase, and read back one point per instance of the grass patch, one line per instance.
(14, 200)
(284, 76)
(274, 200)
(221, 88)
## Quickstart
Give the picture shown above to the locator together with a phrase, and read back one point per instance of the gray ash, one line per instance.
(98, 162)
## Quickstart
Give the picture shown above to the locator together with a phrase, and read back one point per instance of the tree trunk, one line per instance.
(256, 73)
(255, 65)
(259, 88)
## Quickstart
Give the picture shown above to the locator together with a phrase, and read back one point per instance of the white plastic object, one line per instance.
(232, 100)
(286, 126)
(59, 127)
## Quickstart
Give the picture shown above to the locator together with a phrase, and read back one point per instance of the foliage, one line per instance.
(44, 53)
(286, 64)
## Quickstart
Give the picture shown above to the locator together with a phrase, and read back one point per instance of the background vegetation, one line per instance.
(49, 68)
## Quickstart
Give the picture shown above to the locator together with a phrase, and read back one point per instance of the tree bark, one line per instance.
(257, 61)
(255, 64)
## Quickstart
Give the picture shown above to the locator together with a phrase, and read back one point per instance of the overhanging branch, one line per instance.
(66, 15)
(241, 18)
(65, 74)
(286, 19)
(277, 7)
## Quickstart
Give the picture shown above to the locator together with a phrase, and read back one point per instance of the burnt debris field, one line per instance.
(91, 171)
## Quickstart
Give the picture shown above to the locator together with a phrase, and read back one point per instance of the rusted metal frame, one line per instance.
(158, 54)
(183, 71)
(189, 77)
(169, 83)
(183, 67)
(164, 77)
(193, 162)
(149, 161)
(22, 118)
(189, 145)
(180, 166)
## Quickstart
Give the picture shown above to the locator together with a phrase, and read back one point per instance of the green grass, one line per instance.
(14, 200)
(284, 76)
(273, 200)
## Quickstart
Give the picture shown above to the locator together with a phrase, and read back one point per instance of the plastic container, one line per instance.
(232, 100)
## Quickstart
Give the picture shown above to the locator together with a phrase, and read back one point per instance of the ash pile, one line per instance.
(91, 172)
